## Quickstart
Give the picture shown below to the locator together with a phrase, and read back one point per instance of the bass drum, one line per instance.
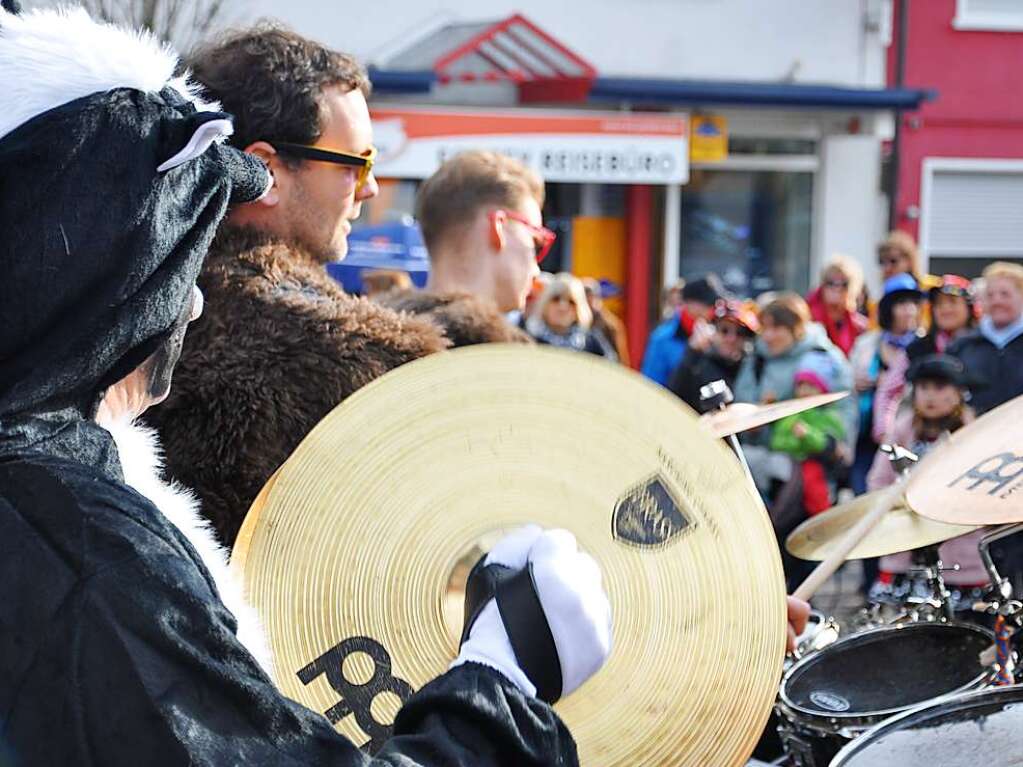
(978, 728)
(834, 695)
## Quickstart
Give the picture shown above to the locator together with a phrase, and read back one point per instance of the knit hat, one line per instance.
(816, 369)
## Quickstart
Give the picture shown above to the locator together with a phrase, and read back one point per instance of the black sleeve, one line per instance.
(685, 382)
(162, 680)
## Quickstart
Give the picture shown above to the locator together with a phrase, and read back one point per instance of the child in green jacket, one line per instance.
(814, 437)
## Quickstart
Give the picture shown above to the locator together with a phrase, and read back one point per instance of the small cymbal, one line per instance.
(900, 529)
(744, 416)
(358, 552)
(976, 476)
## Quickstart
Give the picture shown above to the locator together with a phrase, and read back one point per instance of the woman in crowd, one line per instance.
(993, 351)
(768, 375)
(873, 355)
(562, 317)
(898, 254)
(605, 322)
(833, 303)
(952, 315)
(719, 355)
(786, 334)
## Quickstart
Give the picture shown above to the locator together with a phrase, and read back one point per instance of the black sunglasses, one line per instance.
(363, 162)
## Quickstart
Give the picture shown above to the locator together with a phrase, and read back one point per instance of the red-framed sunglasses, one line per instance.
(543, 238)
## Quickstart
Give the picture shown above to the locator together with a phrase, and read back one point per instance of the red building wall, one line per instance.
(979, 108)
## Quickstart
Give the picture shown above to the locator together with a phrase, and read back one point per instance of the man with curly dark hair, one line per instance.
(288, 93)
(280, 343)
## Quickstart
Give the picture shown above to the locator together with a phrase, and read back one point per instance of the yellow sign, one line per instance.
(709, 139)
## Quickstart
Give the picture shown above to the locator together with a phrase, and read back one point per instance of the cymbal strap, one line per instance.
(530, 633)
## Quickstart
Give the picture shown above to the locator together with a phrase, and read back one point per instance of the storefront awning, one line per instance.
(511, 50)
(640, 91)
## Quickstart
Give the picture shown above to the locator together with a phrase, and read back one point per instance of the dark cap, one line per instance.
(706, 290)
(939, 367)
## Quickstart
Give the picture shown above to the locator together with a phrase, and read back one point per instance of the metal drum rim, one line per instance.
(892, 723)
(981, 680)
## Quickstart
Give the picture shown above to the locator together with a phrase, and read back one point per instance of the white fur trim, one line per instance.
(49, 57)
(142, 464)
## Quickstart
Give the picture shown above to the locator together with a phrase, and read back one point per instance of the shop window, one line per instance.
(970, 213)
(990, 15)
(750, 227)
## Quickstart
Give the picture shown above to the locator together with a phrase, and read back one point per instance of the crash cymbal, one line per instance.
(370, 528)
(743, 416)
(976, 476)
(900, 529)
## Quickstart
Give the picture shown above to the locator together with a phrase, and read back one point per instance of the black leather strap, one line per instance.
(480, 588)
(530, 633)
(524, 621)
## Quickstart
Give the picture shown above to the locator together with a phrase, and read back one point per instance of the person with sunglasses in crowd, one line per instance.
(833, 304)
(480, 214)
(719, 357)
(562, 318)
(280, 343)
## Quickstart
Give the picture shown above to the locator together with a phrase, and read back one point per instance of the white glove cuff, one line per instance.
(488, 645)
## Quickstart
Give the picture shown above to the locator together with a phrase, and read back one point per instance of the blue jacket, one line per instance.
(664, 351)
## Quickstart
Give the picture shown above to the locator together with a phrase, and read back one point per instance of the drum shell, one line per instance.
(813, 736)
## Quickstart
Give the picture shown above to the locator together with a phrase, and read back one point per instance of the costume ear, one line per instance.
(190, 136)
(11, 6)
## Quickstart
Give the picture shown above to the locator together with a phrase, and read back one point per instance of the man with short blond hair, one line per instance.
(482, 223)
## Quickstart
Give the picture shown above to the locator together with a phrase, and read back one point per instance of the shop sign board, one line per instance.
(710, 139)
(580, 146)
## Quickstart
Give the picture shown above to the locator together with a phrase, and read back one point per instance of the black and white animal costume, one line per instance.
(119, 644)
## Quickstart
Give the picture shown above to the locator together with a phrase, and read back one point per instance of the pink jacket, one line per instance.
(891, 386)
(961, 550)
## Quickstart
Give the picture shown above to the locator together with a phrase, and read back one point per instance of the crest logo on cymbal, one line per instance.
(647, 515)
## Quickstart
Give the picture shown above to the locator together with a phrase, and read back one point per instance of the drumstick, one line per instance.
(885, 501)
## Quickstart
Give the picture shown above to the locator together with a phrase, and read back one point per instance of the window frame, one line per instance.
(978, 21)
(935, 165)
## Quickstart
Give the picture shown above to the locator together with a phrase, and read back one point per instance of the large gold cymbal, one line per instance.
(900, 529)
(743, 416)
(976, 476)
(369, 529)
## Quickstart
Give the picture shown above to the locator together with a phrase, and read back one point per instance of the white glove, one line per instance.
(568, 585)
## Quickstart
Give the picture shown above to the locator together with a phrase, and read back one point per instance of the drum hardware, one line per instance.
(717, 396)
(998, 602)
(821, 630)
(902, 459)
(938, 604)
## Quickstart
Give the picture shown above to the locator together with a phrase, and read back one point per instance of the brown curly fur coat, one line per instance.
(465, 318)
(278, 346)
